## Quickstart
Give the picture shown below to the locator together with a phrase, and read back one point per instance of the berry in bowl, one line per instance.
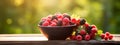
(57, 27)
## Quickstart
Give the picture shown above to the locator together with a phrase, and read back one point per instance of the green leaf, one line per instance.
(99, 32)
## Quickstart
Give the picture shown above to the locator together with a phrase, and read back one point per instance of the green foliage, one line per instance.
(99, 32)
(23, 16)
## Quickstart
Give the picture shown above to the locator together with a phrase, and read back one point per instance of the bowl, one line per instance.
(57, 32)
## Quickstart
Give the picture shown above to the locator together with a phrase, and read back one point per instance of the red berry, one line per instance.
(48, 19)
(93, 26)
(110, 37)
(102, 36)
(66, 20)
(59, 16)
(46, 23)
(82, 32)
(87, 37)
(54, 20)
(73, 37)
(94, 30)
(92, 35)
(65, 24)
(79, 37)
(106, 37)
(86, 25)
(107, 33)
(78, 22)
(73, 20)
(53, 24)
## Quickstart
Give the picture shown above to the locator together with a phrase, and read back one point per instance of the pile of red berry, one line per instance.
(83, 31)
(87, 32)
(58, 20)
(107, 36)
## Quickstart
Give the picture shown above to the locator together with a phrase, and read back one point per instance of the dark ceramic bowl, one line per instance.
(57, 32)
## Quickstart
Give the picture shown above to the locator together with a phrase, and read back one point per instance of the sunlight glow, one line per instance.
(18, 2)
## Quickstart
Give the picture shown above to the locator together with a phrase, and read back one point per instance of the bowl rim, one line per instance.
(57, 26)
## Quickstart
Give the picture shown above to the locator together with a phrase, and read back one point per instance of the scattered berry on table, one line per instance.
(107, 33)
(87, 37)
(106, 37)
(102, 36)
(79, 37)
(110, 37)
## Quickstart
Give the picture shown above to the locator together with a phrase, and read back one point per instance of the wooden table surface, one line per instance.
(22, 37)
(35, 39)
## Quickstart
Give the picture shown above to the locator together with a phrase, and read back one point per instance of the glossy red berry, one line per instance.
(54, 20)
(65, 24)
(102, 36)
(73, 37)
(93, 26)
(73, 20)
(87, 37)
(110, 37)
(78, 22)
(59, 16)
(49, 20)
(106, 37)
(86, 25)
(53, 24)
(82, 32)
(46, 23)
(107, 33)
(60, 19)
(92, 35)
(94, 30)
(79, 37)
(66, 20)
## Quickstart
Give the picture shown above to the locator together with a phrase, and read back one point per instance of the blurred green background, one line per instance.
(22, 16)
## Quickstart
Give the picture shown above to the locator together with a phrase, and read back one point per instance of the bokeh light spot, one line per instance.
(18, 2)
(21, 21)
(9, 21)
